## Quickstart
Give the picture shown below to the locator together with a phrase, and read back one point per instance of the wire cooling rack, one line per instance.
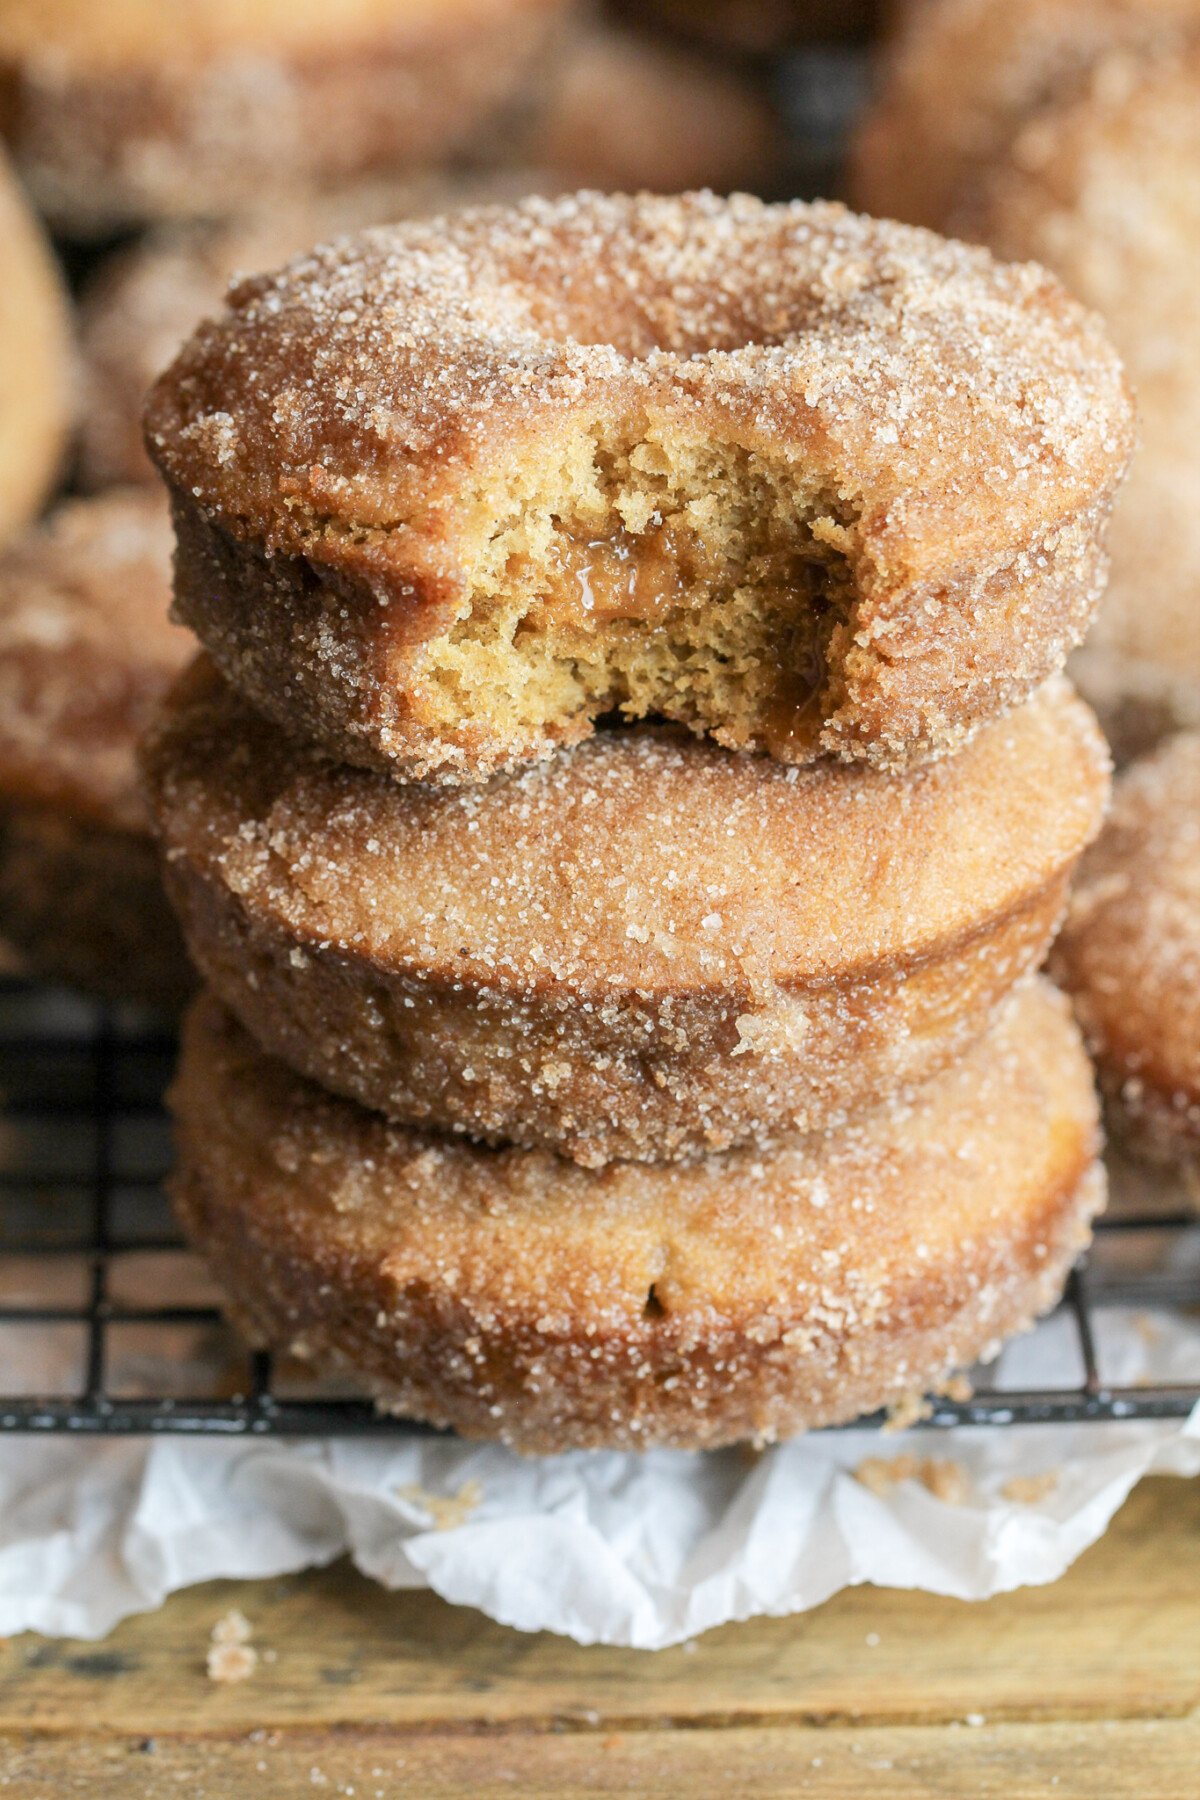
(94, 1280)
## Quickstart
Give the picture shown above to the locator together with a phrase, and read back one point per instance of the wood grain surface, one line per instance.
(1090, 1688)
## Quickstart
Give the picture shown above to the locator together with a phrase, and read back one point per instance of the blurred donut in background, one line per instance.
(1068, 133)
(1129, 955)
(35, 361)
(133, 111)
(86, 651)
(1105, 189)
(622, 111)
(958, 79)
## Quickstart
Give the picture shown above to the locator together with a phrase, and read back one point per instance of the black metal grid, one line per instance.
(81, 1164)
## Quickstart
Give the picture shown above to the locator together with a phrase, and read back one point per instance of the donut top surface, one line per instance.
(86, 650)
(1130, 951)
(384, 401)
(642, 860)
(144, 302)
(118, 33)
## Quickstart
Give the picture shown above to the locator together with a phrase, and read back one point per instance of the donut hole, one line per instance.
(687, 580)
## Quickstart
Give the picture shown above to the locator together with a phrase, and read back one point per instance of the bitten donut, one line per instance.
(1130, 953)
(512, 1296)
(812, 483)
(1104, 188)
(86, 651)
(144, 301)
(960, 78)
(645, 948)
(134, 111)
(35, 361)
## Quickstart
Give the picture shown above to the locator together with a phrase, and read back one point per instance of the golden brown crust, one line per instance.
(86, 652)
(1130, 952)
(35, 361)
(1104, 188)
(512, 1296)
(200, 110)
(961, 77)
(883, 446)
(647, 948)
(83, 903)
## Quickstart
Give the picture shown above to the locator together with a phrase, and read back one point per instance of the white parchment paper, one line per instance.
(615, 1549)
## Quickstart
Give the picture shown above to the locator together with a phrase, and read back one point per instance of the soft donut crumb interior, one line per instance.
(690, 580)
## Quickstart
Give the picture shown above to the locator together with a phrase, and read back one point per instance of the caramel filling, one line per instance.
(721, 621)
(603, 579)
(649, 579)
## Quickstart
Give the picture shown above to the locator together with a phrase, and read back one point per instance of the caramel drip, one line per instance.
(623, 576)
(790, 723)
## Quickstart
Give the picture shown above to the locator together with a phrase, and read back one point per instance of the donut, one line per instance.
(86, 651)
(960, 78)
(510, 1295)
(145, 300)
(645, 948)
(810, 483)
(135, 111)
(1130, 954)
(35, 362)
(620, 110)
(1104, 188)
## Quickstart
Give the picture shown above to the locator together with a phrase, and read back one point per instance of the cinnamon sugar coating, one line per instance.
(35, 361)
(960, 78)
(647, 948)
(135, 111)
(812, 483)
(86, 652)
(145, 301)
(513, 1296)
(1130, 953)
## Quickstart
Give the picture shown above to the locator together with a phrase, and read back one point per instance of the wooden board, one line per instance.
(1090, 1688)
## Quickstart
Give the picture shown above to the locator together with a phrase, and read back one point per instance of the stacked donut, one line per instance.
(626, 795)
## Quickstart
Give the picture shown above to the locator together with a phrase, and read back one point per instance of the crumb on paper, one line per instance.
(444, 1511)
(1027, 1490)
(958, 1389)
(1148, 1329)
(944, 1479)
(910, 1409)
(231, 1655)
